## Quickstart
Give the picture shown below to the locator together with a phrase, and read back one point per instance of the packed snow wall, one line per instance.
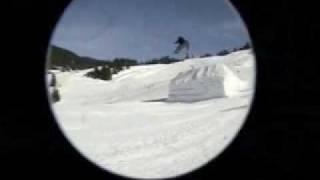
(213, 81)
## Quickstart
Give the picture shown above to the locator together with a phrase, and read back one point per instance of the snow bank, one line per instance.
(214, 81)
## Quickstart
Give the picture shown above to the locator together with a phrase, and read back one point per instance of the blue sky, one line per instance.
(144, 29)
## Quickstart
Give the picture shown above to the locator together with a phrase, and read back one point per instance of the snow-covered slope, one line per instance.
(151, 82)
(138, 125)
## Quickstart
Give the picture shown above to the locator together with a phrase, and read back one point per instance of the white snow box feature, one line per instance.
(214, 81)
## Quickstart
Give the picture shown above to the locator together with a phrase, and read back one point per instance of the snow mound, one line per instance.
(214, 81)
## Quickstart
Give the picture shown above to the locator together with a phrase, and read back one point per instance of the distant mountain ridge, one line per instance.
(66, 59)
(60, 57)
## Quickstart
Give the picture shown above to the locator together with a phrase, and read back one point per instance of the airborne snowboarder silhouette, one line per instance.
(182, 44)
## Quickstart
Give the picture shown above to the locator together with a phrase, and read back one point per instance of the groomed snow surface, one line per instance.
(157, 121)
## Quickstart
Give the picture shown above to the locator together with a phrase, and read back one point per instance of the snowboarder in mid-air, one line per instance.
(182, 44)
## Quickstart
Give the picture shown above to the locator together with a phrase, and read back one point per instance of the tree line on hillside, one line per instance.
(66, 60)
(162, 60)
(227, 51)
(105, 72)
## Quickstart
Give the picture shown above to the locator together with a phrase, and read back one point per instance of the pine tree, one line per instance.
(105, 73)
(55, 95)
(223, 53)
(53, 80)
(245, 46)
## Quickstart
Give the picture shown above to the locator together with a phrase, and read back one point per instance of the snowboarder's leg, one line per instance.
(178, 49)
(187, 50)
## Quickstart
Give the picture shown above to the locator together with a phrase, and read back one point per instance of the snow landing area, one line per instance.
(157, 121)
